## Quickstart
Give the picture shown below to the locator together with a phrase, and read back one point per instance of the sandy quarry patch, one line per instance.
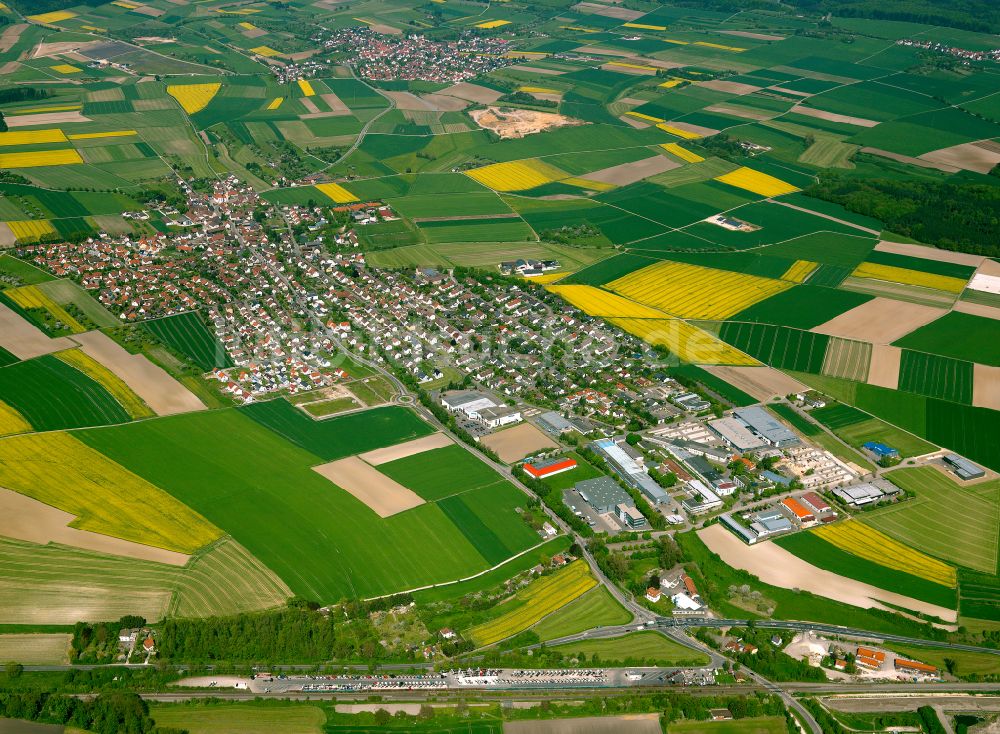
(968, 157)
(11, 35)
(930, 253)
(409, 448)
(47, 118)
(978, 309)
(509, 122)
(919, 162)
(742, 112)
(755, 36)
(774, 565)
(627, 724)
(472, 93)
(25, 518)
(634, 122)
(537, 70)
(409, 101)
(879, 321)
(721, 85)
(986, 386)
(515, 443)
(627, 173)
(382, 495)
(25, 340)
(833, 116)
(883, 370)
(161, 392)
(762, 382)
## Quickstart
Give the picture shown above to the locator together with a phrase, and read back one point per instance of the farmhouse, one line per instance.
(964, 468)
(603, 494)
(550, 467)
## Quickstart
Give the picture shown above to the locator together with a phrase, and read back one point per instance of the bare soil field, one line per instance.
(776, 566)
(627, 724)
(989, 267)
(537, 70)
(335, 103)
(515, 443)
(755, 36)
(608, 12)
(634, 122)
(409, 101)
(11, 35)
(627, 173)
(880, 321)
(382, 495)
(47, 118)
(25, 340)
(150, 11)
(46, 50)
(253, 33)
(930, 253)
(444, 103)
(978, 309)
(705, 132)
(634, 70)
(35, 649)
(795, 92)
(968, 157)
(884, 368)
(472, 93)
(7, 238)
(762, 382)
(721, 85)
(402, 450)
(986, 386)
(833, 116)
(25, 518)
(921, 162)
(744, 112)
(517, 123)
(161, 392)
(887, 702)
(309, 105)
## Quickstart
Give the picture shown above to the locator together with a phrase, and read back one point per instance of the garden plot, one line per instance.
(761, 382)
(161, 392)
(23, 339)
(403, 450)
(381, 494)
(880, 321)
(515, 443)
(628, 173)
(774, 565)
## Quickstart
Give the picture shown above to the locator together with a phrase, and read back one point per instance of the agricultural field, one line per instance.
(652, 648)
(188, 335)
(595, 608)
(247, 718)
(761, 725)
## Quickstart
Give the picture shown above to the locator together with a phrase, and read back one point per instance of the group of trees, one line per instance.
(112, 712)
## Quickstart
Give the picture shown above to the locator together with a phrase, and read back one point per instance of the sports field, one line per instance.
(957, 524)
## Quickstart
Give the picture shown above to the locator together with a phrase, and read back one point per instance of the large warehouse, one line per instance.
(603, 494)
(765, 425)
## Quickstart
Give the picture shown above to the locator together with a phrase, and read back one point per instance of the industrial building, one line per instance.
(550, 467)
(629, 515)
(737, 434)
(964, 468)
(814, 502)
(552, 422)
(603, 494)
(859, 495)
(629, 470)
(879, 451)
(501, 415)
(765, 425)
(701, 499)
(798, 512)
(468, 402)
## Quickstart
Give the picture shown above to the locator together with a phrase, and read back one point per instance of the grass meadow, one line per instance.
(649, 647)
(596, 608)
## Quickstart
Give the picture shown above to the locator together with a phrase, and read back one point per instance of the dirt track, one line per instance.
(762, 382)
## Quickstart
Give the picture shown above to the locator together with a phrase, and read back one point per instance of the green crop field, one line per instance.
(246, 718)
(813, 549)
(339, 437)
(635, 648)
(954, 523)
(778, 346)
(978, 342)
(440, 473)
(803, 307)
(596, 608)
(187, 334)
(25, 273)
(52, 395)
(979, 595)
(936, 377)
(963, 663)
(262, 490)
(759, 725)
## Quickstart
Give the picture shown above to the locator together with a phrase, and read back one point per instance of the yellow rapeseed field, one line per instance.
(29, 230)
(194, 97)
(627, 65)
(688, 342)
(696, 292)
(61, 471)
(54, 17)
(586, 183)
(275, 103)
(683, 153)
(32, 137)
(594, 301)
(125, 4)
(757, 182)
(546, 278)
(49, 108)
(645, 27)
(40, 158)
(66, 69)
(247, 26)
(109, 134)
(307, 88)
(516, 175)
(265, 51)
(706, 44)
(538, 90)
(337, 192)
(540, 599)
(30, 296)
(644, 116)
(679, 132)
(11, 421)
(108, 380)
(866, 542)
(671, 83)
(799, 271)
(893, 274)
(492, 24)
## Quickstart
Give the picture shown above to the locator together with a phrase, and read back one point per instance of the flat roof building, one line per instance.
(629, 470)
(746, 534)
(964, 468)
(860, 494)
(736, 433)
(552, 422)
(880, 450)
(765, 425)
(550, 467)
(603, 494)
(629, 515)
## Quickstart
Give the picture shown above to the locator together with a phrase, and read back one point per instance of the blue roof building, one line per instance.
(880, 450)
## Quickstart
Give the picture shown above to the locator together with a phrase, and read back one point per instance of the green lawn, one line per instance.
(584, 470)
(596, 608)
(966, 663)
(242, 718)
(330, 407)
(954, 523)
(761, 725)
(25, 272)
(636, 648)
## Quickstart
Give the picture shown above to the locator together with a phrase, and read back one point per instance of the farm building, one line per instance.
(603, 494)
(879, 451)
(913, 667)
(550, 467)
(629, 515)
(964, 468)
(736, 433)
(769, 428)
(630, 470)
(859, 495)
(869, 658)
(797, 511)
